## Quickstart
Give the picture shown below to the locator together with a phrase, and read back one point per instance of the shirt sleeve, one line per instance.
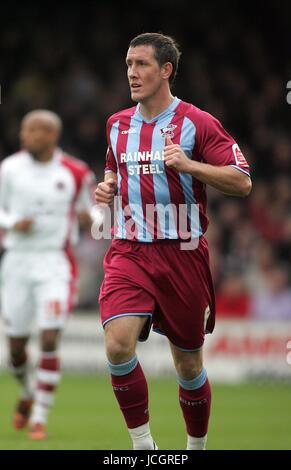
(217, 147)
(110, 163)
(7, 219)
(86, 195)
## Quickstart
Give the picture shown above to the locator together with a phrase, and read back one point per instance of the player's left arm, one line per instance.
(227, 179)
(85, 200)
(220, 162)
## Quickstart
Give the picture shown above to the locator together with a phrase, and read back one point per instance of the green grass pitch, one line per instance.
(85, 416)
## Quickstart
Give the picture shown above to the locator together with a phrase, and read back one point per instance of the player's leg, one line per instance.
(19, 365)
(194, 395)
(21, 370)
(187, 305)
(17, 310)
(48, 377)
(51, 274)
(126, 310)
(127, 377)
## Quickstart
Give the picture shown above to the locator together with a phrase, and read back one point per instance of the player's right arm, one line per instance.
(8, 220)
(106, 190)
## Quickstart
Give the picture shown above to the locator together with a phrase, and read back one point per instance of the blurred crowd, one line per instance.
(235, 64)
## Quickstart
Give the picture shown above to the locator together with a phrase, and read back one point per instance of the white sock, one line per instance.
(142, 438)
(39, 414)
(42, 404)
(46, 386)
(196, 443)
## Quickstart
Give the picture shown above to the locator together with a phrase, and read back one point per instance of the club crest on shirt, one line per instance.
(168, 131)
(60, 185)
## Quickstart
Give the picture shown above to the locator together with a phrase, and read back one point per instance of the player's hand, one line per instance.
(175, 157)
(105, 192)
(23, 225)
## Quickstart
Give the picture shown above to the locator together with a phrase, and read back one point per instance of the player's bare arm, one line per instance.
(106, 190)
(226, 179)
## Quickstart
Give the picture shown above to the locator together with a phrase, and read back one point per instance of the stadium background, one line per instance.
(235, 64)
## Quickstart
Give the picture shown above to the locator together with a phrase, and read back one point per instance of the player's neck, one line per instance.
(44, 156)
(155, 105)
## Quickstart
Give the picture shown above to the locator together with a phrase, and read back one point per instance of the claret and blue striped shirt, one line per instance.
(136, 154)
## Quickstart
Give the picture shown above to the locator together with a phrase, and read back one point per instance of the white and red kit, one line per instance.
(38, 271)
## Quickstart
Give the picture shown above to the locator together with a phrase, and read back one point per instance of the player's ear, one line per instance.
(167, 70)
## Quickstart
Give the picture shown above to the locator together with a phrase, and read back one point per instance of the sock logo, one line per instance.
(120, 389)
(193, 403)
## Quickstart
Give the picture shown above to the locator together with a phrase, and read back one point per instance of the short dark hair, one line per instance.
(165, 47)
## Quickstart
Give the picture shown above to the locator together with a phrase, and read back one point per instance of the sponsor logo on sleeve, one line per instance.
(238, 155)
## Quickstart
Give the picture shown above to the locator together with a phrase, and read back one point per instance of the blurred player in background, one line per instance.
(162, 151)
(42, 191)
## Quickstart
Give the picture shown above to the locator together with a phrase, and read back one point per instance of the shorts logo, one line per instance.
(238, 155)
(168, 131)
(54, 308)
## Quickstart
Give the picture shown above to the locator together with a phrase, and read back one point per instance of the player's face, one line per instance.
(145, 75)
(37, 136)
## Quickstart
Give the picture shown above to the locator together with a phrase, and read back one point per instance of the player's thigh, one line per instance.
(185, 297)
(125, 300)
(188, 363)
(122, 333)
(52, 290)
(17, 303)
(52, 304)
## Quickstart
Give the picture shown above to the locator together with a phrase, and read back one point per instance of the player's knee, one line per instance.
(118, 350)
(49, 345)
(17, 356)
(49, 341)
(189, 369)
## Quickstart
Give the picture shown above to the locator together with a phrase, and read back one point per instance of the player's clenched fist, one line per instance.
(105, 192)
(175, 157)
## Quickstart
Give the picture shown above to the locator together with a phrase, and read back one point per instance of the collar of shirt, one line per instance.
(164, 113)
